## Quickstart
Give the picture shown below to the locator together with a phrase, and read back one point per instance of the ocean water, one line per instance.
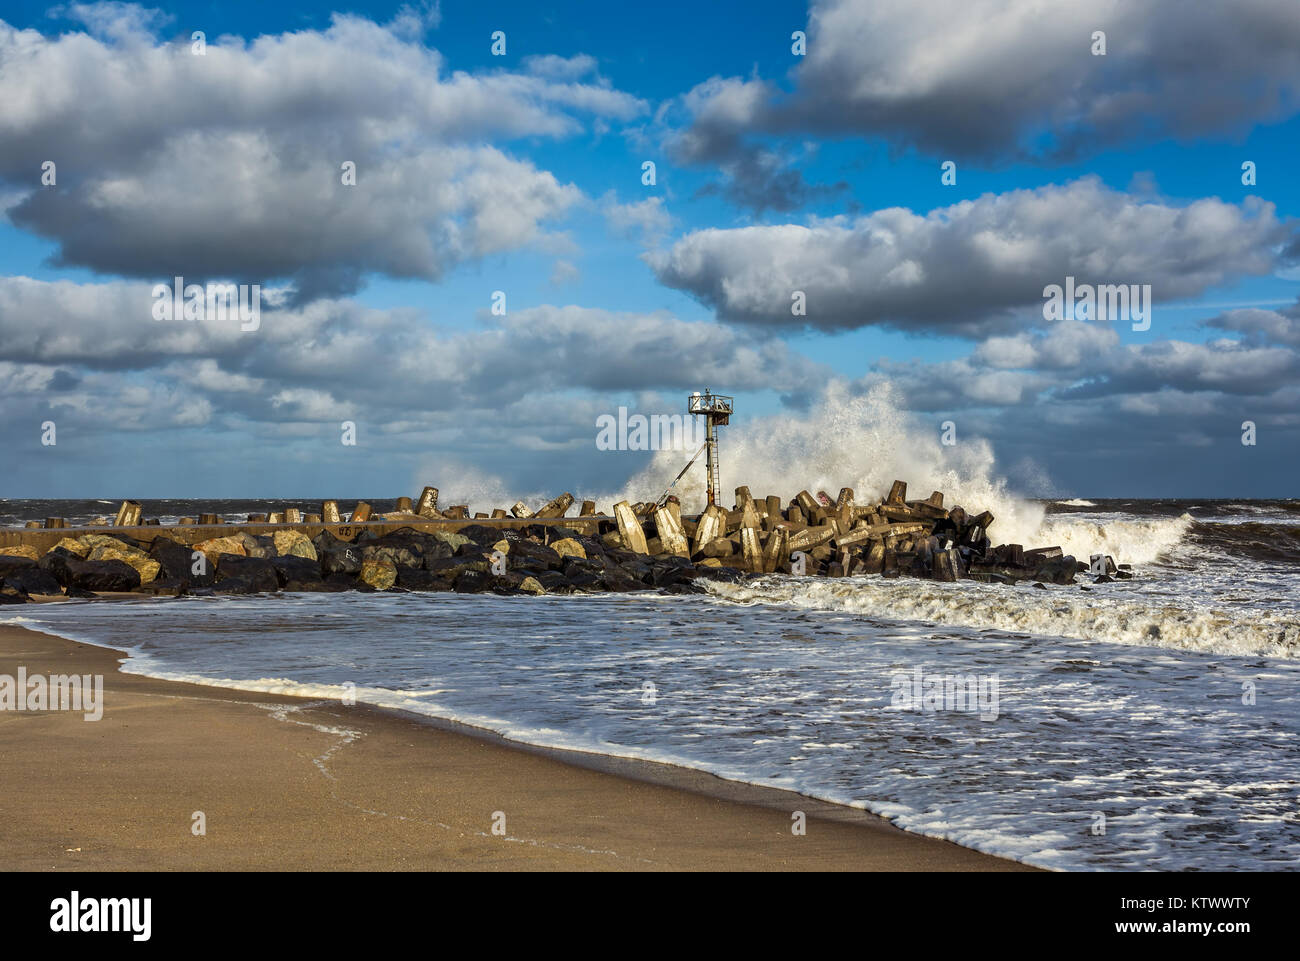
(1145, 724)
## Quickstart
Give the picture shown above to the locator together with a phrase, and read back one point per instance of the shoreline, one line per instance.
(295, 783)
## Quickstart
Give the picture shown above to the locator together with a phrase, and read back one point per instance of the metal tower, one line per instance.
(716, 410)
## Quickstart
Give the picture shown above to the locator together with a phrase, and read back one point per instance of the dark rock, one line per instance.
(1059, 570)
(481, 534)
(419, 580)
(78, 592)
(58, 563)
(233, 585)
(615, 579)
(341, 559)
(436, 547)
(398, 553)
(9, 564)
(452, 567)
(577, 565)
(729, 575)
(102, 576)
(586, 581)
(531, 556)
(325, 541)
(177, 563)
(340, 582)
(554, 582)
(259, 546)
(472, 582)
(12, 595)
(32, 580)
(291, 569)
(259, 572)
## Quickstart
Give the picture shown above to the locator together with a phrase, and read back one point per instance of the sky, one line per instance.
(849, 199)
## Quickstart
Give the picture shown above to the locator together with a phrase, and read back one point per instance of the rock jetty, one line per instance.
(419, 547)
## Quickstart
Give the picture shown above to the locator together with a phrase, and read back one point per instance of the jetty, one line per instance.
(522, 550)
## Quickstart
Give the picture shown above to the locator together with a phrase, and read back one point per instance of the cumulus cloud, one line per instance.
(1263, 326)
(1004, 79)
(231, 164)
(317, 362)
(647, 220)
(754, 175)
(969, 268)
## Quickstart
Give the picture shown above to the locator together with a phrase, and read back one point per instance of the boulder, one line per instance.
(552, 582)
(176, 562)
(32, 580)
(296, 570)
(10, 562)
(145, 565)
(118, 541)
(529, 555)
(73, 546)
(522, 583)
(106, 575)
(263, 546)
(12, 595)
(451, 538)
(586, 581)
(378, 573)
(615, 579)
(396, 554)
(472, 582)
(258, 572)
(216, 546)
(21, 550)
(480, 533)
(293, 544)
(569, 547)
(57, 561)
(1056, 570)
(421, 580)
(341, 558)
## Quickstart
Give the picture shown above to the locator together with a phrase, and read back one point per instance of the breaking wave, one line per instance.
(866, 442)
(1069, 613)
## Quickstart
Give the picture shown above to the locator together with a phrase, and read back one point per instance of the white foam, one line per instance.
(1076, 502)
(1127, 541)
(1057, 612)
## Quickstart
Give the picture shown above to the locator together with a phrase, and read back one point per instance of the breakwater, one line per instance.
(523, 550)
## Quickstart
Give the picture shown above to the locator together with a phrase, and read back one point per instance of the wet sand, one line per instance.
(288, 783)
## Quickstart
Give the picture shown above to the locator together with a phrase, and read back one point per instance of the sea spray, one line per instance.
(863, 441)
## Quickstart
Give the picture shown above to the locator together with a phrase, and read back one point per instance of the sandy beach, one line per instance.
(289, 783)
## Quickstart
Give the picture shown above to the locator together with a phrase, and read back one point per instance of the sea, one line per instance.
(1145, 724)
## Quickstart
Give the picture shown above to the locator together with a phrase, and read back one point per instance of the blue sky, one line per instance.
(523, 173)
